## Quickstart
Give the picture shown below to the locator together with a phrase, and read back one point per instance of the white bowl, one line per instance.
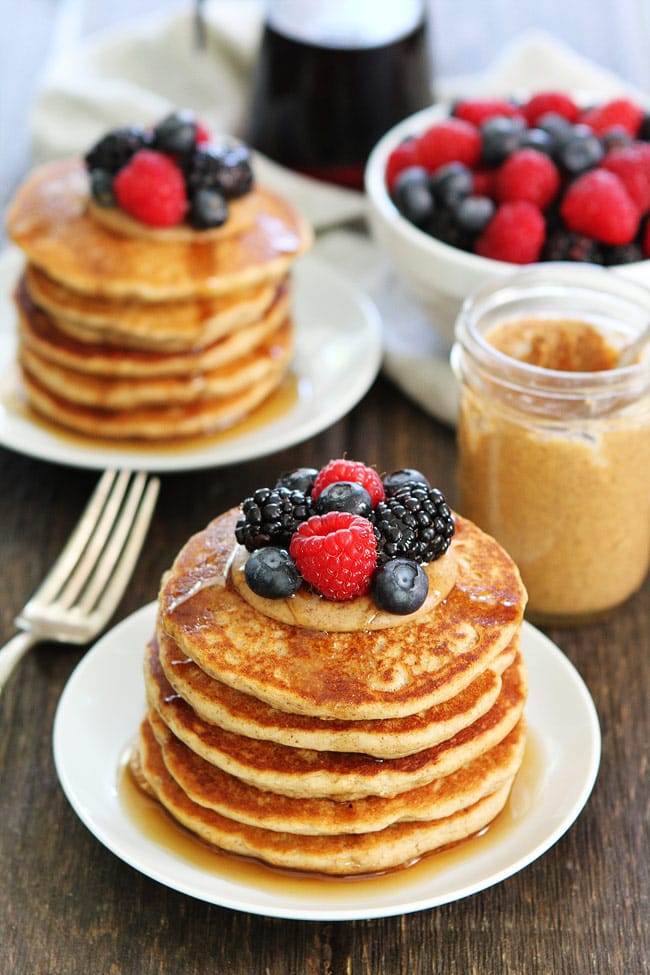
(438, 275)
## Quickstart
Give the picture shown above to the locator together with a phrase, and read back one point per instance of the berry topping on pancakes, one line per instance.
(169, 174)
(346, 532)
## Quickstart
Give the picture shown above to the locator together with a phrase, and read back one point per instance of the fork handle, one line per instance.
(13, 652)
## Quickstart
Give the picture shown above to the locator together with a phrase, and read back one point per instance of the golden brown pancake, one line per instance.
(39, 333)
(339, 854)
(160, 326)
(209, 786)
(130, 392)
(216, 703)
(155, 423)
(49, 220)
(304, 773)
(359, 675)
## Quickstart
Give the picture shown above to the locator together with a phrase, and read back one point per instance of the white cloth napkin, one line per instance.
(140, 71)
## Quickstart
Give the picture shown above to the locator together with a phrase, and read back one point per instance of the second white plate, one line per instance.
(338, 355)
(102, 706)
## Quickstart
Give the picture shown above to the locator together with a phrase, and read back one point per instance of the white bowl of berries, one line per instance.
(459, 195)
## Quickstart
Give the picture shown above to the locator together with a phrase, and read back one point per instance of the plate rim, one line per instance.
(237, 449)
(536, 647)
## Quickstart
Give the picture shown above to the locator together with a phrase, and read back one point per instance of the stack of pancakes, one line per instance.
(333, 737)
(128, 331)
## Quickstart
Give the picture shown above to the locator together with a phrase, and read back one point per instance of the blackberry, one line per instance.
(223, 168)
(114, 150)
(566, 245)
(414, 523)
(237, 176)
(622, 254)
(271, 516)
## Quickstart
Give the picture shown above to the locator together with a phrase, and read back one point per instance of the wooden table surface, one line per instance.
(70, 907)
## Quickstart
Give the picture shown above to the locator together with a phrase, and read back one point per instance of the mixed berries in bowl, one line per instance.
(343, 531)
(460, 194)
(170, 173)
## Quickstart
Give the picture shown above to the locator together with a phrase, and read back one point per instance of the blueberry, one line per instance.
(399, 586)
(555, 124)
(176, 132)
(538, 139)
(407, 475)
(272, 573)
(344, 496)
(501, 136)
(413, 195)
(208, 208)
(579, 150)
(101, 187)
(451, 183)
(302, 479)
(474, 213)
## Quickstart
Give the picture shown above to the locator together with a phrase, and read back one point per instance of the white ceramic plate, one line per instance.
(338, 354)
(103, 704)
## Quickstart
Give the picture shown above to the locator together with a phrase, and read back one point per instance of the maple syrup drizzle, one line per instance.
(158, 825)
(278, 403)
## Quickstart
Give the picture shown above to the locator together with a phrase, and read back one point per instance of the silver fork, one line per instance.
(80, 593)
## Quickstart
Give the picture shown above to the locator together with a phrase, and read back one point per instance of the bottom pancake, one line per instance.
(214, 789)
(160, 423)
(338, 854)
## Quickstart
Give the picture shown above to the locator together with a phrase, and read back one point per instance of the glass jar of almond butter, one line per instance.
(554, 435)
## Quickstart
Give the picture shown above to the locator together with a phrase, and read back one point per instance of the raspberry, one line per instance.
(151, 188)
(478, 110)
(452, 140)
(402, 157)
(598, 205)
(618, 113)
(336, 553)
(483, 184)
(516, 233)
(527, 175)
(115, 149)
(203, 134)
(550, 101)
(632, 166)
(350, 470)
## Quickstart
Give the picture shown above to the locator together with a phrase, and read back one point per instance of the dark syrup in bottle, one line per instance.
(326, 88)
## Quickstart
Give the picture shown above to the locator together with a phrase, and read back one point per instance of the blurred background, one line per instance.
(467, 37)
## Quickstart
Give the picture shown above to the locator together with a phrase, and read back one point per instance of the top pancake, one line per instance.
(49, 221)
(377, 674)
